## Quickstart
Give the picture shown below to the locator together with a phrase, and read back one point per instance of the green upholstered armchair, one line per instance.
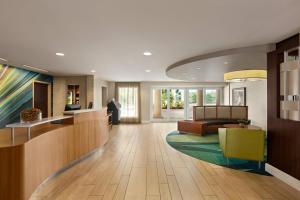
(242, 143)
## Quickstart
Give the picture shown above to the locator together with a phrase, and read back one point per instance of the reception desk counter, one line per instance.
(28, 160)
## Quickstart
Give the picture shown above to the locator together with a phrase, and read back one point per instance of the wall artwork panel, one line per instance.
(16, 92)
(239, 96)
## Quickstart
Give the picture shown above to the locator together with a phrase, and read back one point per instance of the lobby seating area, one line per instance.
(150, 100)
(207, 119)
(221, 128)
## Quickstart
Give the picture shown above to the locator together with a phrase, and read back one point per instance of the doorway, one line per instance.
(168, 104)
(176, 103)
(42, 98)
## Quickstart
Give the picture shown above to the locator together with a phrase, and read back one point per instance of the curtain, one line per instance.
(128, 95)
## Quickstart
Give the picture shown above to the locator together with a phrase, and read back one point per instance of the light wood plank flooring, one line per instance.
(137, 163)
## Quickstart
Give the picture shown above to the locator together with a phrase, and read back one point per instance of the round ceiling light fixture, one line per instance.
(60, 54)
(93, 71)
(245, 75)
(148, 70)
(147, 53)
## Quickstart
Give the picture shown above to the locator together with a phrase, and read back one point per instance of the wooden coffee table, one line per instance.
(238, 126)
(190, 126)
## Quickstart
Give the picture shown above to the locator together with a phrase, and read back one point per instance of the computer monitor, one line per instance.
(69, 107)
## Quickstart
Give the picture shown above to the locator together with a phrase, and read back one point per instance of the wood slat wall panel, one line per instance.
(283, 135)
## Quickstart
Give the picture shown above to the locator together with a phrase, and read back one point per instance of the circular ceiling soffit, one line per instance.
(211, 67)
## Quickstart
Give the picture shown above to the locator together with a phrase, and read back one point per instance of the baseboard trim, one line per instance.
(288, 179)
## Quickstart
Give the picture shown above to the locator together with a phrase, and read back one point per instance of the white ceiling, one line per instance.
(110, 36)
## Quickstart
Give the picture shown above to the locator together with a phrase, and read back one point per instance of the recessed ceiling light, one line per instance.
(60, 54)
(93, 71)
(147, 53)
(3, 59)
(148, 70)
(35, 68)
(225, 63)
(198, 67)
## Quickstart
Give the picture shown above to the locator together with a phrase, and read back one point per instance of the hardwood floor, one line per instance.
(137, 163)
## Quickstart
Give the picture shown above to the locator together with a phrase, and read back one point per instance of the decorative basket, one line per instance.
(31, 114)
(244, 122)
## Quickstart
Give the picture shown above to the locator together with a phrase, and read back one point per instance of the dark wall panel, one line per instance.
(283, 135)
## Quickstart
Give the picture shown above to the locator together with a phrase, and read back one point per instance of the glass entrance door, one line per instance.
(168, 104)
(177, 104)
(165, 105)
(173, 104)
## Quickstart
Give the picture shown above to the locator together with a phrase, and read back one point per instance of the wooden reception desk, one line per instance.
(26, 162)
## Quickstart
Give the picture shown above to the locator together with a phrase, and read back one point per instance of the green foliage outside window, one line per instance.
(164, 98)
(193, 98)
(210, 97)
(176, 100)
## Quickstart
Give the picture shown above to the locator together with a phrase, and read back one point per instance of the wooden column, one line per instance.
(200, 97)
(157, 103)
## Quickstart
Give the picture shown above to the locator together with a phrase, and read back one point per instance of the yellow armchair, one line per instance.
(242, 143)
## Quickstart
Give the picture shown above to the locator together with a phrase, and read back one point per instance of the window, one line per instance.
(128, 97)
(193, 95)
(174, 103)
(164, 98)
(210, 97)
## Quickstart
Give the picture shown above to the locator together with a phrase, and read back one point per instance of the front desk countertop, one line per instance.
(21, 132)
(37, 122)
(73, 112)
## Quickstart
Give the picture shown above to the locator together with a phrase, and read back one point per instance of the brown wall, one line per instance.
(59, 95)
(283, 135)
(86, 88)
(89, 89)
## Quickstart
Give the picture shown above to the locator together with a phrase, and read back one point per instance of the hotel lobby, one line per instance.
(157, 100)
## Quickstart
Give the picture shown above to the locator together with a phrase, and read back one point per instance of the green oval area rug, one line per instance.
(207, 148)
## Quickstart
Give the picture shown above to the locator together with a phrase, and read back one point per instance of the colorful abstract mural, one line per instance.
(16, 92)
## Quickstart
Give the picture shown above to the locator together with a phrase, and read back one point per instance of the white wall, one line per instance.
(256, 99)
(98, 84)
